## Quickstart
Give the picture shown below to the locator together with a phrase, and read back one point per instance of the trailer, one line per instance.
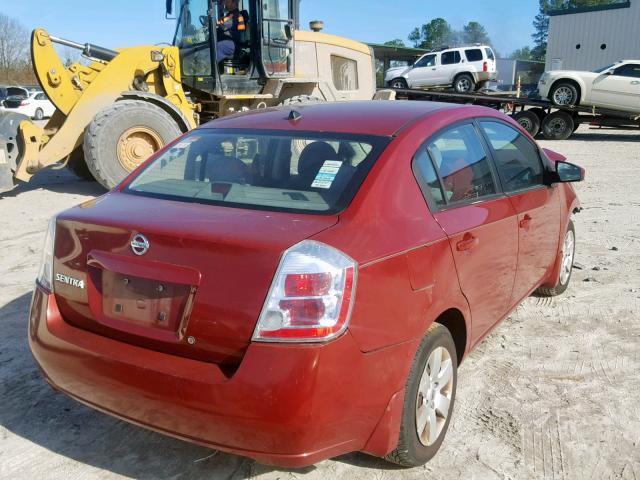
(535, 115)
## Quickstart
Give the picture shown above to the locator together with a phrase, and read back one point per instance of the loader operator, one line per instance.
(231, 29)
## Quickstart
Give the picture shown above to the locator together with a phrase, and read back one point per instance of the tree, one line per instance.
(474, 32)
(523, 53)
(436, 33)
(541, 33)
(395, 43)
(14, 49)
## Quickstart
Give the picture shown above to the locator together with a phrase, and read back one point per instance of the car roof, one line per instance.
(372, 117)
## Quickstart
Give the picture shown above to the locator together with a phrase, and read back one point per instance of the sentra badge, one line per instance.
(74, 282)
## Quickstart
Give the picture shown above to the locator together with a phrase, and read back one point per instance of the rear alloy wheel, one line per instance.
(566, 265)
(123, 136)
(529, 121)
(464, 83)
(429, 396)
(564, 94)
(399, 83)
(39, 114)
(558, 126)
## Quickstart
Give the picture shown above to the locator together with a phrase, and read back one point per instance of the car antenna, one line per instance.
(294, 116)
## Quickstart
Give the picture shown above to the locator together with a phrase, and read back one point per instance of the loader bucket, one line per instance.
(10, 148)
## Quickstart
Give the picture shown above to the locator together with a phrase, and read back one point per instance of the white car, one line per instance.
(464, 68)
(615, 86)
(36, 105)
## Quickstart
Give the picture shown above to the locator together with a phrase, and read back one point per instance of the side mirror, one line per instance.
(568, 172)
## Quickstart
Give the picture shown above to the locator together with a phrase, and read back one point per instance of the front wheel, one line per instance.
(123, 136)
(566, 265)
(399, 83)
(429, 396)
(564, 94)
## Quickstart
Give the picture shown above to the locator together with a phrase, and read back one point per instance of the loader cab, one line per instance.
(264, 50)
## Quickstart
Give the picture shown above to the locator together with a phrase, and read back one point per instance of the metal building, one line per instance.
(590, 37)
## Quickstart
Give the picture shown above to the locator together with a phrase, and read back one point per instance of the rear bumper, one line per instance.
(485, 76)
(285, 405)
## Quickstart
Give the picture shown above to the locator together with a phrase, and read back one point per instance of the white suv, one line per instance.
(464, 68)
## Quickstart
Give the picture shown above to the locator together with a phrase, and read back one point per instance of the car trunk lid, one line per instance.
(197, 290)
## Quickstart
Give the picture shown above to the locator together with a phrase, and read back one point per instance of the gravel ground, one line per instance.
(553, 393)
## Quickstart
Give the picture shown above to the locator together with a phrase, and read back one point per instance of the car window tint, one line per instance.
(628, 70)
(449, 58)
(283, 171)
(517, 159)
(490, 55)
(473, 55)
(428, 178)
(462, 163)
(428, 61)
(41, 96)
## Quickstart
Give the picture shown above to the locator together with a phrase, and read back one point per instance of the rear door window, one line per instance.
(473, 54)
(282, 171)
(462, 163)
(449, 58)
(516, 158)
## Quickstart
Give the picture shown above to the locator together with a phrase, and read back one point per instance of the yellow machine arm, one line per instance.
(79, 92)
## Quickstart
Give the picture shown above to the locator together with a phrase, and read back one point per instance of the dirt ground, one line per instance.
(553, 393)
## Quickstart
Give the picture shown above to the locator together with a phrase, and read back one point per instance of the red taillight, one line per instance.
(485, 67)
(24, 103)
(311, 295)
(307, 284)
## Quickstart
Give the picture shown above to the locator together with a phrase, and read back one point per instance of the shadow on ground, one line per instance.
(595, 134)
(56, 180)
(36, 413)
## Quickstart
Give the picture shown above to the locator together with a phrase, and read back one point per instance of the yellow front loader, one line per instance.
(126, 104)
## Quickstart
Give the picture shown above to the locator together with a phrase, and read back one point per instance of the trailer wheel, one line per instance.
(558, 126)
(464, 83)
(528, 120)
(564, 94)
(123, 136)
(540, 112)
(78, 166)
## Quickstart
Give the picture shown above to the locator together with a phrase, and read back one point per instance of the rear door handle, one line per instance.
(467, 243)
(525, 222)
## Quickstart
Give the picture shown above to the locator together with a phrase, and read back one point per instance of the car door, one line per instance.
(618, 89)
(479, 221)
(450, 64)
(423, 71)
(537, 205)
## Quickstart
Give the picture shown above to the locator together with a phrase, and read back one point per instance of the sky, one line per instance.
(121, 23)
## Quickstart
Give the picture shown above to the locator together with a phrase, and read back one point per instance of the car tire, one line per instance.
(422, 394)
(566, 266)
(399, 83)
(528, 120)
(112, 139)
(464, 83)
(558, 126)
(78, 166)
(564, 94)
(540, 112)
(38, 114)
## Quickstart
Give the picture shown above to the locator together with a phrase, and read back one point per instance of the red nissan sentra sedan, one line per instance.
(292, 285)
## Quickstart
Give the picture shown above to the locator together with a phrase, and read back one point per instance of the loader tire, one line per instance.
(301, 99)
(78, 166)
(124, 135)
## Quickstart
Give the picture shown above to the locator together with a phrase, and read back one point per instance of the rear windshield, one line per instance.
(490, 55)
(282, 171)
